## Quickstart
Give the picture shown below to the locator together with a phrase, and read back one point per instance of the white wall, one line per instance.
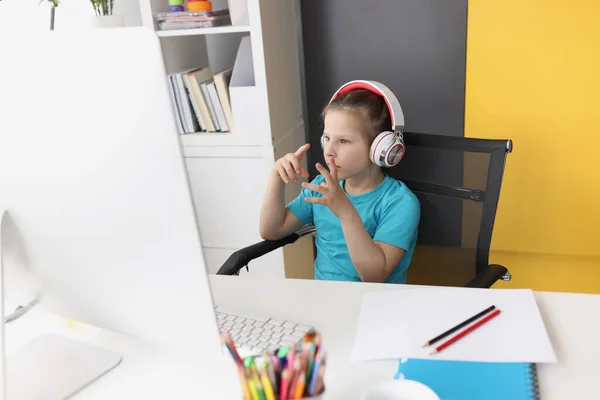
(70, 14)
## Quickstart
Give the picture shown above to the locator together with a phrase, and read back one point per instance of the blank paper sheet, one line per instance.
(396, 324)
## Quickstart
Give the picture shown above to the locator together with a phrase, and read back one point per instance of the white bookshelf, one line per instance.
(203, 31)
(228, 171)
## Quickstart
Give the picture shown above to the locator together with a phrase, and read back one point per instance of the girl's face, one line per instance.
(345, 140)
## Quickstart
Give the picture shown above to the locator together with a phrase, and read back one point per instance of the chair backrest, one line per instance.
(457, 181)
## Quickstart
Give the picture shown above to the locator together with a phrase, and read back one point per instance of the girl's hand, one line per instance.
(289, 165)
(334, 196)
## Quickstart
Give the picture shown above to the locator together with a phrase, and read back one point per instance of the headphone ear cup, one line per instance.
(387, 149)
(395, 153)
(323, 142)
(379, 147)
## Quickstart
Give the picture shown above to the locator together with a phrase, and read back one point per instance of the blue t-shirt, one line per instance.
(390, 213)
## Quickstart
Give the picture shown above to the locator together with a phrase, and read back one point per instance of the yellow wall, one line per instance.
(533, 76)
(550, 273)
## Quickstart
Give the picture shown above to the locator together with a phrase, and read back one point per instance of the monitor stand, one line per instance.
(49, 367)
(54, 367)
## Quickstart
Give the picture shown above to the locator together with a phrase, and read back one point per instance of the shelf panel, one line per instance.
(219, 139)
(202, 31)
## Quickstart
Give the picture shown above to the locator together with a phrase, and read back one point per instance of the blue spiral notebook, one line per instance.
(464, 380)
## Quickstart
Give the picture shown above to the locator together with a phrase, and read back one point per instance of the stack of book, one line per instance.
(201, 100)
(191, 20)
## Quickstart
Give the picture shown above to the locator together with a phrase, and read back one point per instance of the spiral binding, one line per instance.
(532, 380)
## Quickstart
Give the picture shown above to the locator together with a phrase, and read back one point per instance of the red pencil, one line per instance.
(465, 332)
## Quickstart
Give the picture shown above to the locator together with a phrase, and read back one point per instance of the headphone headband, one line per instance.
(392, 102)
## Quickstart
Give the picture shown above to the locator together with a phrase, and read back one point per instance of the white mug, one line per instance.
(402, 389)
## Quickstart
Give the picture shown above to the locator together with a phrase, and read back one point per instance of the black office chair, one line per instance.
(457, 181)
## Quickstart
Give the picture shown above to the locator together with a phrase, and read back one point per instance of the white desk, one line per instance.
(571, 320)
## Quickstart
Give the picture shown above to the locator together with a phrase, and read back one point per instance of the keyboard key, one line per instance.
(291, 338)
(262, 345)
(261, 319)
(289, 324)
(241, 341)
(231, 317)
(288, 330)
(277, 329)
(276, 322)
(224, 310)
(265, 338)
(298, 334)
(303, 328)
(259, 324)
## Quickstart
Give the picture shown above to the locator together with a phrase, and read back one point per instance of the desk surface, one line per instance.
(333, 308)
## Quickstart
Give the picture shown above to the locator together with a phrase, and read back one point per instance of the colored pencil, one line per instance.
(299, 387)
(320, 384)
(270, 369)
(319, 364)
(252, 385)
(267, 385)
(244, 383)
(465, 332)
(457, 327)
(228, 341)
(283, 392)
(295, 375)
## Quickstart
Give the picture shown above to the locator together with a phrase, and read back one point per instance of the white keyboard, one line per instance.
(252, 334)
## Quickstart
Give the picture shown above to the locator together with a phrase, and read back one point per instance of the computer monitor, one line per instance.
(101, 220)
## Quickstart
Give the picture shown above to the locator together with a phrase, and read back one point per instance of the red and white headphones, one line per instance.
(388, 147)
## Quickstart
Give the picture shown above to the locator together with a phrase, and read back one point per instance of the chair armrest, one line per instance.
(242, 257)
(487, 277)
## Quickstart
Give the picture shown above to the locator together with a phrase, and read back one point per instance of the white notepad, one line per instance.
(396, 324)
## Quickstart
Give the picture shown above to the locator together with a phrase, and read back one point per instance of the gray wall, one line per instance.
(415, 47)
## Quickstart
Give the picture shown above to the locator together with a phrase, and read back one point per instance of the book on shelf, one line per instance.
(201, 100)
(221, 81)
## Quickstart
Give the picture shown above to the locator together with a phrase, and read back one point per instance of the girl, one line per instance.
(366, 221)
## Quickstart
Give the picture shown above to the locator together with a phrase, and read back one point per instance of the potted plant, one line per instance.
(54, 4)
(104, 17)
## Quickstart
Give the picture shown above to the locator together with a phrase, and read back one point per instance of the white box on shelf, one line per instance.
(245, 104)
(238, 12)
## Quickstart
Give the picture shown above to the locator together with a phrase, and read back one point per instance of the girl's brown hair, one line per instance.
(373, 107)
